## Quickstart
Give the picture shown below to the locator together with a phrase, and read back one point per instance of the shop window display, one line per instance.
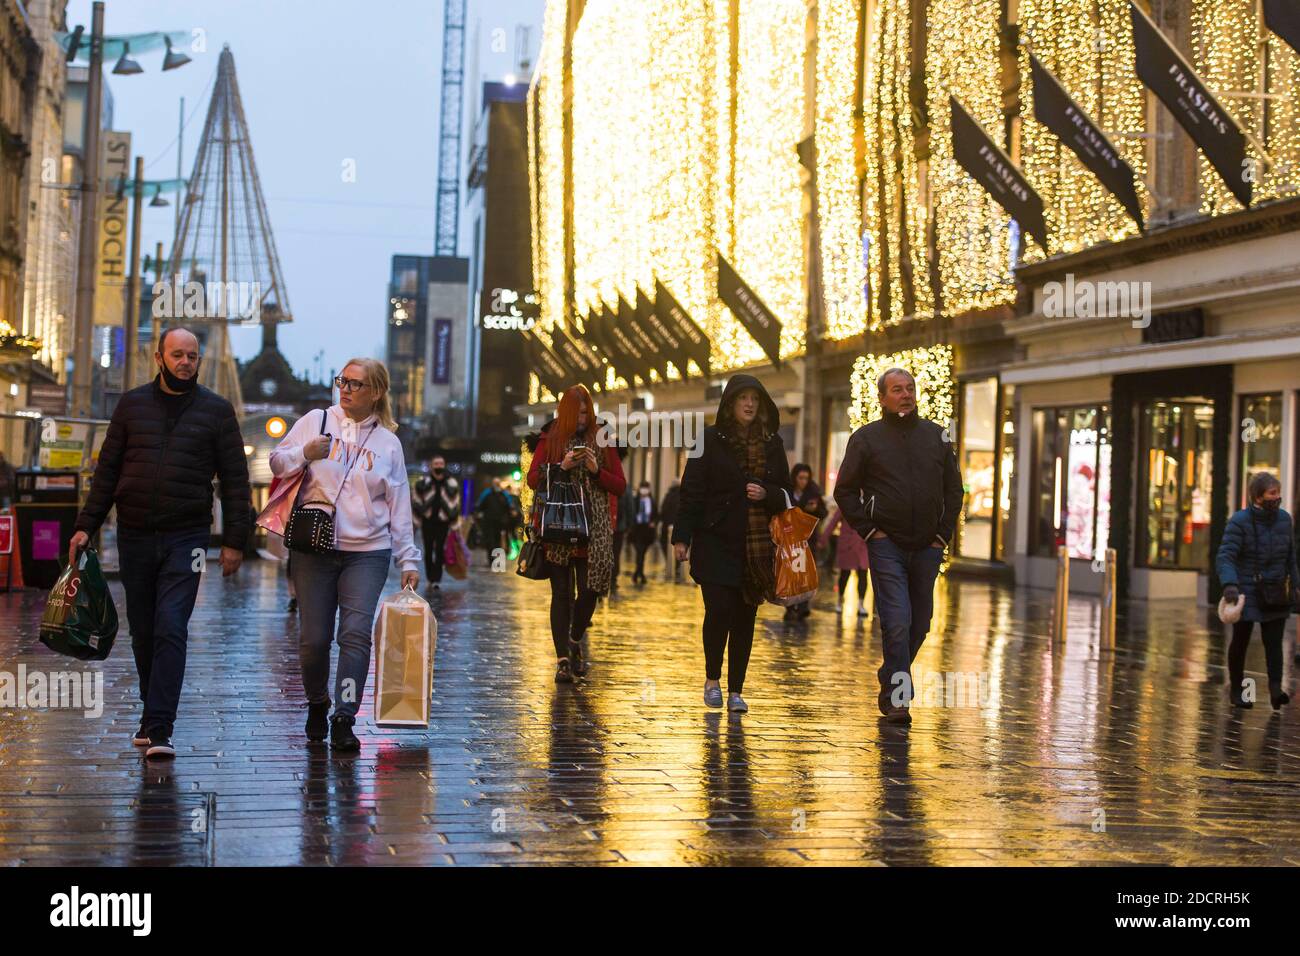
(1176, 485)
(1072, 457)
(1261, 440)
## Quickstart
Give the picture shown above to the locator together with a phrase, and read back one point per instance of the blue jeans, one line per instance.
(904, 586)
(160, 574)
(346, 583)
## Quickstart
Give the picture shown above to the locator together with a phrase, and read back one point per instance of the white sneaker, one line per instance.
(736, 704)
(863, 612)
(839, 607)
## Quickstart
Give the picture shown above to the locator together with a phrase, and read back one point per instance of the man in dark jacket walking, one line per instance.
(165, 443)
(900, 488)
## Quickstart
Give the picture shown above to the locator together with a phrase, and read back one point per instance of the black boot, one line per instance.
(1276, 696)
(341, 736)
(318, 721)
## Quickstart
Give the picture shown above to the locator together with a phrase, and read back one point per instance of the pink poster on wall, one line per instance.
(45, 540)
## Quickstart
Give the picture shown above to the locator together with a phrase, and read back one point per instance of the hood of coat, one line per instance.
(737, 383)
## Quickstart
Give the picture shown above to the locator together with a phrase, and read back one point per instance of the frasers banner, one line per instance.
(551, 371)
(1283, 18)
(1057, 110)
(587, 368)
(630, 323)
(1164, 71)
(665, 335)
(694, 341)
(112, 257)
(597, 327)
(993, 169)
(624, 344)
(749, 309)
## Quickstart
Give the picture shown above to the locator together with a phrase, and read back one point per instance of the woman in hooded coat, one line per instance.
(1256, 556)
(729, 493)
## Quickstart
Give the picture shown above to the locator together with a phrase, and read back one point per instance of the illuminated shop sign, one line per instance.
(511, 310)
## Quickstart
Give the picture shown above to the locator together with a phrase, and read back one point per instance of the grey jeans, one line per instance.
(347, 584)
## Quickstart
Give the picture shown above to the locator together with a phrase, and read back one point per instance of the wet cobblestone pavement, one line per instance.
(1078, 756)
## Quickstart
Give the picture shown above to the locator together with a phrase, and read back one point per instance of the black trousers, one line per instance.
(1271, 631)
(434, 535)
(619, 538)
(572, 604)
(862, 583)
(728, 623)
(491, 532)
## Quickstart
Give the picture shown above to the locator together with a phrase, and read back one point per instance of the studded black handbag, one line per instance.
(310, 529)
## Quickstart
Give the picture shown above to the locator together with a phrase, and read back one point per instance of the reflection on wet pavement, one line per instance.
(1025, 752)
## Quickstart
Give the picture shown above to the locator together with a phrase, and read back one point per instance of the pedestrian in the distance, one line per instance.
(355, 463)
(667, 518)
(623, 508)
(850, 558)
(899, 488)
(729, 494)
(493, 511)
(645, 515)
(166, 442)
(1257, 558)
(574, 447)
(807, 496)
(436, 500)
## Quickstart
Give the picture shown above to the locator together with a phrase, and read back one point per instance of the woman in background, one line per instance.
(850, 557)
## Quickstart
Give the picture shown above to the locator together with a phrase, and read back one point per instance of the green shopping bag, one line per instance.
(80, 618)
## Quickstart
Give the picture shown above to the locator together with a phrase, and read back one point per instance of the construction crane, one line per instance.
(453, 81)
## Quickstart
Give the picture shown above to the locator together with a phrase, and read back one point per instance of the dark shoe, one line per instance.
(563, 673)
(898, 715)
(141, 738)
(318, 721)
(341, 735)
(160, 746)
(805, 611)
(1235, 697)
(576, 662)
(790, 615)
(1277, 697)
(882, 701)
(292, 606)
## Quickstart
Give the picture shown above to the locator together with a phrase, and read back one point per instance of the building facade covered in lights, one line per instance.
(808, 144)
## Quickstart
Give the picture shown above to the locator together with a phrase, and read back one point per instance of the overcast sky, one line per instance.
(322, 82)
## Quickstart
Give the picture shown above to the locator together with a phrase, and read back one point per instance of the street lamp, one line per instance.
(86, 253)
(125, 65)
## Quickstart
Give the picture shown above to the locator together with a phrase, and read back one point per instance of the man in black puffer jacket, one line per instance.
(900, 488)
(165, 443)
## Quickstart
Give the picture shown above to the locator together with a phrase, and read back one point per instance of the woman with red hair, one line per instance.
(574, 447)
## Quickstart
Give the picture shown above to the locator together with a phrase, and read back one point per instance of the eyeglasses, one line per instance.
(348, 384)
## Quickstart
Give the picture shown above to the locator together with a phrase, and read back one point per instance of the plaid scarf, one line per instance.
(759, 582)
(599, 549)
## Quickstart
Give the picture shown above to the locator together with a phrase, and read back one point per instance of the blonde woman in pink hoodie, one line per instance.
(354, 461)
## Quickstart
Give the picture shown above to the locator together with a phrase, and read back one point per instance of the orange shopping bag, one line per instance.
(796, 568)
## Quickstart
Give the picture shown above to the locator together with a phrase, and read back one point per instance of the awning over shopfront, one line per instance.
(630, 322)
(1283, 18)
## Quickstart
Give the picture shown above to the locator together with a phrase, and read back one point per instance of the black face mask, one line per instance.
(180, 384)
(1271, 506)
(437, 472)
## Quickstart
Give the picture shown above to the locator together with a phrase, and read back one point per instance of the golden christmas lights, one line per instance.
(932, 367)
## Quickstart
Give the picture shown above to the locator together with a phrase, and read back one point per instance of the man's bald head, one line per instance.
(178, 357)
